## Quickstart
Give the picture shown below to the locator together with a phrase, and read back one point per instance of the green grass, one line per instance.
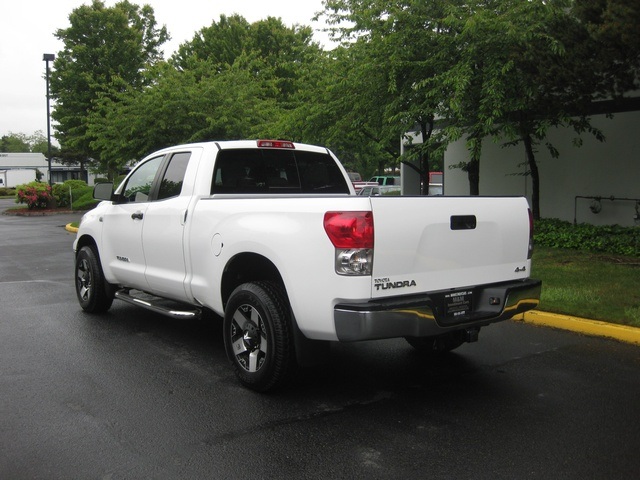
(590, 285)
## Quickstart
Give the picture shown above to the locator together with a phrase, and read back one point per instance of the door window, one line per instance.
(139, 184)
(171, 184)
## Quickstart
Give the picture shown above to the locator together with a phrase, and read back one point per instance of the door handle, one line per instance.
(137, 216)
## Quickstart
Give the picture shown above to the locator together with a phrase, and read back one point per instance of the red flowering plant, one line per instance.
(34, 194)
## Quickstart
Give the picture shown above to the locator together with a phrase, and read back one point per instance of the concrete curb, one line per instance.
(585, 326)
(71, 229)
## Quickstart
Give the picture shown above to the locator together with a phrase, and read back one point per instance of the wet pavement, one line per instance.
(130, 394)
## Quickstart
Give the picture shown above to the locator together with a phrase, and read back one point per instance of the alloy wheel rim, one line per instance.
(248, 338)
(84, 281)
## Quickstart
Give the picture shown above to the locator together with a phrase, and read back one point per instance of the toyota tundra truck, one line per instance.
(270, 237)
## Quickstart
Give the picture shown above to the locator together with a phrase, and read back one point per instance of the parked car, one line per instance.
(374, 190)
(357, 182)
(386, 180)
(436, 183)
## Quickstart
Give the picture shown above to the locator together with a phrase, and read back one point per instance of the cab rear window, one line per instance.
(276, 171)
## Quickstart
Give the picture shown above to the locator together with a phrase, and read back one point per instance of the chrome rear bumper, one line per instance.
(423, 315)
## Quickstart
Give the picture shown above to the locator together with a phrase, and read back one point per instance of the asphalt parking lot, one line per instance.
(134, 395)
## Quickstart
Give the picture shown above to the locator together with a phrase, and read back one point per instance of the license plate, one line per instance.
(458, 304)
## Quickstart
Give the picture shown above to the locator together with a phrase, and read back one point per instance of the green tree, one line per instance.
(15, 143)
(521, 68)
(233, 80)
(613, 25)
(341, 103)
(22, 143)
(401, 41)
(219, 44)
(284, 51)
(181, 106)
(39, 143)
(107, 50)
(503, 68)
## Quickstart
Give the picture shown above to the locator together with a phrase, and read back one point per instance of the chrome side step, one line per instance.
(159, 305)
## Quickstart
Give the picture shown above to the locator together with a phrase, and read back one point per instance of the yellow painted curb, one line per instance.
(71, 229)
(623, 333)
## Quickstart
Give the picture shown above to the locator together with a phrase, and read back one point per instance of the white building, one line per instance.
(19, 168)
(597, 183)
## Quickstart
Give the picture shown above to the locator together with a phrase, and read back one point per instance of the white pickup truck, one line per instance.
(270, 236)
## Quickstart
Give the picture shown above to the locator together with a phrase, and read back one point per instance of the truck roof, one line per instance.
(257, 143)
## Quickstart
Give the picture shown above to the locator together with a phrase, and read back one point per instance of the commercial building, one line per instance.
(597, 183)
(19, 168)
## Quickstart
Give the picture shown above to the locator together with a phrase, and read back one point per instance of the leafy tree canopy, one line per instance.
(15, 143)
(106, 50)
(233, 80)
(452, 69)
(22, 143)
(613, 25)
(504, 68)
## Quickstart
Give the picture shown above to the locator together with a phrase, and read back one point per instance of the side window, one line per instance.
(171, 184)
(139, 183)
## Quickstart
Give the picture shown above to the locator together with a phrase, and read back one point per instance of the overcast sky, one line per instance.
(27, 32)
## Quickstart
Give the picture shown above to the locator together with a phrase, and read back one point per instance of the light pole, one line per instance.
(48, 57)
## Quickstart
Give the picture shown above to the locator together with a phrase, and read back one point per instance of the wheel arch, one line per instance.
(253, 267)
(94, 292)
(89, 241)
(248, 267)
(86, 241)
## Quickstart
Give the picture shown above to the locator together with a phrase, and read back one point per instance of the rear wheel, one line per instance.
(437, 344)
(257, 336)
(94, 293)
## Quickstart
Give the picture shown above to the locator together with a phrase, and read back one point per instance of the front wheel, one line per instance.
(94, 293)
(257, 336)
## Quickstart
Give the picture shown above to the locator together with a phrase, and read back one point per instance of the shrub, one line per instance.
(83, 198)
(34, 194)
(7, 192)
(75, 184)
(61, 194)
(612, 239)
(61, 191)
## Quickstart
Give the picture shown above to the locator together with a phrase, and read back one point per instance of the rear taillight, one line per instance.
(530, 252)
(349, 229)
(351, 233)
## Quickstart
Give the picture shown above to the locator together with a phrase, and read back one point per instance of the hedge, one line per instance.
(612, 239)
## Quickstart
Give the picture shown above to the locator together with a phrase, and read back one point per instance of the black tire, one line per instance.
(437, 344)
(95, 295)
(257, 336)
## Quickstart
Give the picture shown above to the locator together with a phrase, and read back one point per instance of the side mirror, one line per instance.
(103, 191)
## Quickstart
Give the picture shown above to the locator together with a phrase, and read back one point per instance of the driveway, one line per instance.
(131, 394)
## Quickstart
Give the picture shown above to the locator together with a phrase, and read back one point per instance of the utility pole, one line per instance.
(48, 57)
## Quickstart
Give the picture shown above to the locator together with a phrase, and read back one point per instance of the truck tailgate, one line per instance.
(426, 244)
